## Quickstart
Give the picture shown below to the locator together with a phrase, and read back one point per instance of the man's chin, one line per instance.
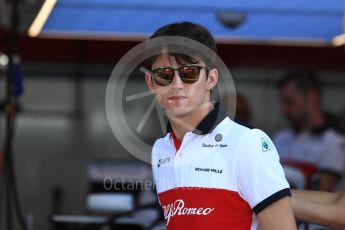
(177, 112)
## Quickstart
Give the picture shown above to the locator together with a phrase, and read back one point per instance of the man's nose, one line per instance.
(177, 82)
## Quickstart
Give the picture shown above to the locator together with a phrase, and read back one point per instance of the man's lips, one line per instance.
(177, 97)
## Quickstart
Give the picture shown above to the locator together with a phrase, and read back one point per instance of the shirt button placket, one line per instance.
(179, 162)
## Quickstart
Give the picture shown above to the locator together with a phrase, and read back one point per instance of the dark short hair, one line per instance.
(189, 30)
(304, 81)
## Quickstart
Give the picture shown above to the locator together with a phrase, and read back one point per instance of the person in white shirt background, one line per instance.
(310, 144)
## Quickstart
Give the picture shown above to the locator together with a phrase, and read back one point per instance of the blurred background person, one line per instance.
(310, 144)
(241, 106)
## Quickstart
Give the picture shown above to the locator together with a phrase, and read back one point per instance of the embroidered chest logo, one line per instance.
(208, 170)
(162, 161)
(205, 145)
(218, 137)
(178, 208)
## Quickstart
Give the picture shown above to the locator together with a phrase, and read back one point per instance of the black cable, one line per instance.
(7, 178)
(2, 196)
(8, 223)
(9, 173)
(8, 152)
(13, 187)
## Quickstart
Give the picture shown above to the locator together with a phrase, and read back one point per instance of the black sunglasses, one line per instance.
(189, 74)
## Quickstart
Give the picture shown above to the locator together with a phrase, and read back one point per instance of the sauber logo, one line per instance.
(178, 208)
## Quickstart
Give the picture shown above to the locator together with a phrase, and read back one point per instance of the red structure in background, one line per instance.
(235, 55)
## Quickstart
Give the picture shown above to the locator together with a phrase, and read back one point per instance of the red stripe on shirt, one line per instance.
(177, 141)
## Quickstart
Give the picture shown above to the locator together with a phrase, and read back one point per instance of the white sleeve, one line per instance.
(260, 177)
(333, 160)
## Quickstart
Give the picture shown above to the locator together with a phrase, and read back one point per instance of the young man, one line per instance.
(323, 208)
(210, 172)
(311, 144)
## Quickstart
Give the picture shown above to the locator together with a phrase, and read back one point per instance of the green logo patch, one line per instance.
(265, 145)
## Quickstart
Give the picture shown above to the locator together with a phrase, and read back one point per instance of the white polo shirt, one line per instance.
(220, 177)
(313, 151)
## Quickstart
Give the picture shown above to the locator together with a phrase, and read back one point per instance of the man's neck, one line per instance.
(188, 122)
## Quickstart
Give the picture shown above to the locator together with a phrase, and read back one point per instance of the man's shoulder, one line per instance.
(245, 135)
(234, 128)
(161, 142)
(332, 134)
(255, 134)
(332, 138)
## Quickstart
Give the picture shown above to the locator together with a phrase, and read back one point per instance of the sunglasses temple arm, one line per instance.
(145, 71)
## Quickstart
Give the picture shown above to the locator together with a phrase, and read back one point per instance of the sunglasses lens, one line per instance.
(163, 76)
(189, 74)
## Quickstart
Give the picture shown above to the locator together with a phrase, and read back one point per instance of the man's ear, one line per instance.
(148, 78)
(212, 79)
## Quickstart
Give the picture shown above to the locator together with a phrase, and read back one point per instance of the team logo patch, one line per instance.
(178, 208)
(265, 145)
(218, 137)
(162, 161)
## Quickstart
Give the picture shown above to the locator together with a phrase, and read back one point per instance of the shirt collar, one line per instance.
(320, 129)
(212, 119)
